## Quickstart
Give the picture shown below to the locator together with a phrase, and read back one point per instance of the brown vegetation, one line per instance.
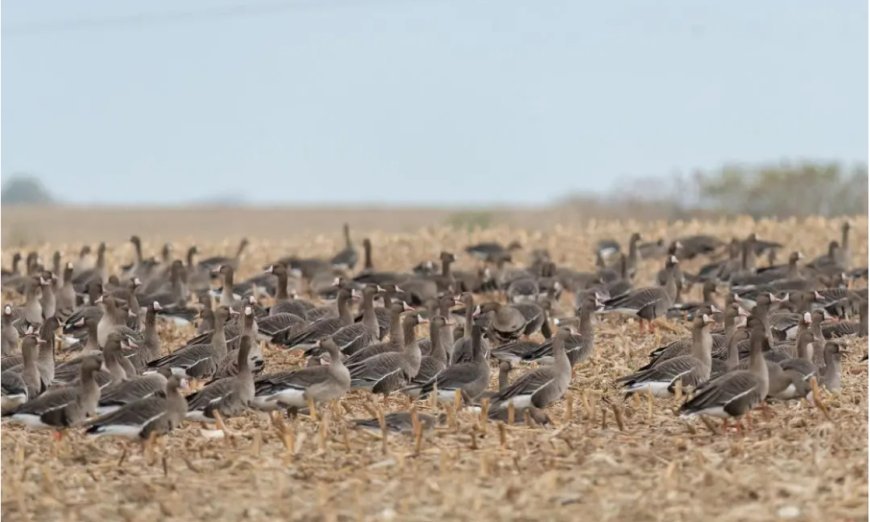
(604, 459)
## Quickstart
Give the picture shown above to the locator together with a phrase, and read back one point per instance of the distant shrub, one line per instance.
(25, 190)
(470, 220)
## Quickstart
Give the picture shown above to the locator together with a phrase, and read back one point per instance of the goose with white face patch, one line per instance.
(293, 389)
(691, 370)
(157, 414)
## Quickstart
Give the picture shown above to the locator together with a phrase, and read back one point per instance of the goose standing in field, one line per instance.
(14, 271)
(30, 313)
(66, 294)
(98, 273)
(353, 337)
(9, 335)
(155, 414)
(648, 303)
(111, 320)
(295, 388)
(199, 361)
(491, 252)
(399, 330)
(830, 373)
(691, 370)
(800, 368)
(387, 372)
(283, 303)
(735, 393)
(22, 383)
(469, 378)
(325, 327)
(229, 396)
(65, 406)
(211, 264)
(346, 259)
(434, 363)
(542, 386)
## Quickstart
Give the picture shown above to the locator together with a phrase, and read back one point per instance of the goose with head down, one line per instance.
(648, 303)
(155, 414)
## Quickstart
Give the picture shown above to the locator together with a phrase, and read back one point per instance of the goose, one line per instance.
(830, 373)
(647, 303)
(737, 392)
(733, 316)
(606, 248)
(118, 394)
(506, 322)
(469, 378)
(31, 312)
(98, 273)
(66, 294)
(370, 275)
(801, 367)
(198, 360)
(387, 372)
(228, 366)
(111, 320)
(48, 301)
(399, 331)
(578, 345)
(346, 259)
(434, 363)
(9, 335)
(400, 422)
(542, 386)
(352, 337)
(283, 303)
(153, 415)
(844, 254)
(117, 366)
(491, 251)
(14, 271)
(325, 327)
(65, 406)
(708, 291)
(228, 396)
(45, 359)
(691, 370)
(848, 328)
(700, 244)
(214, 263)
(22, 383)
(295, 388)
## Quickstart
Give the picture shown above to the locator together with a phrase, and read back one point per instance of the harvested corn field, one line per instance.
(597, 456)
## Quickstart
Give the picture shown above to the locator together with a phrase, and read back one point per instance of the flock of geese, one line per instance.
(763, 331)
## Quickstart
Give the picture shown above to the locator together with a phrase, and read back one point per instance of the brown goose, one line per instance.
(353, 337)
(293, 389)
(346, 259)
(213, 263)
(198, 360)
(112, 320)
(22, 383)
(387, 372)
(114, 396)
(506, 322)
(400, 422)
(325, 327)
(540, 387)
(14, 271)
(229, 396)
(434, 363)
(396, 341)
(283, 303)
(469, 378)
(9, 335)
(800, 367)
(155, 414)
(66, 294)
(736, 392)
(691, 370)
(98, 273)
(491, 251)
(648, 303)
(831, 372)
(64, 406)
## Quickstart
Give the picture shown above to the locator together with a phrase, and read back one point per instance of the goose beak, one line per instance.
(234, 312)
(270, 269)
(98, 300)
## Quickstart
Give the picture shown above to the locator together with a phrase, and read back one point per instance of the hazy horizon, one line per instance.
(419, 103)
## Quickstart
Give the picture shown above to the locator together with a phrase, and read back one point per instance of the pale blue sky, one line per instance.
(419, 101)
